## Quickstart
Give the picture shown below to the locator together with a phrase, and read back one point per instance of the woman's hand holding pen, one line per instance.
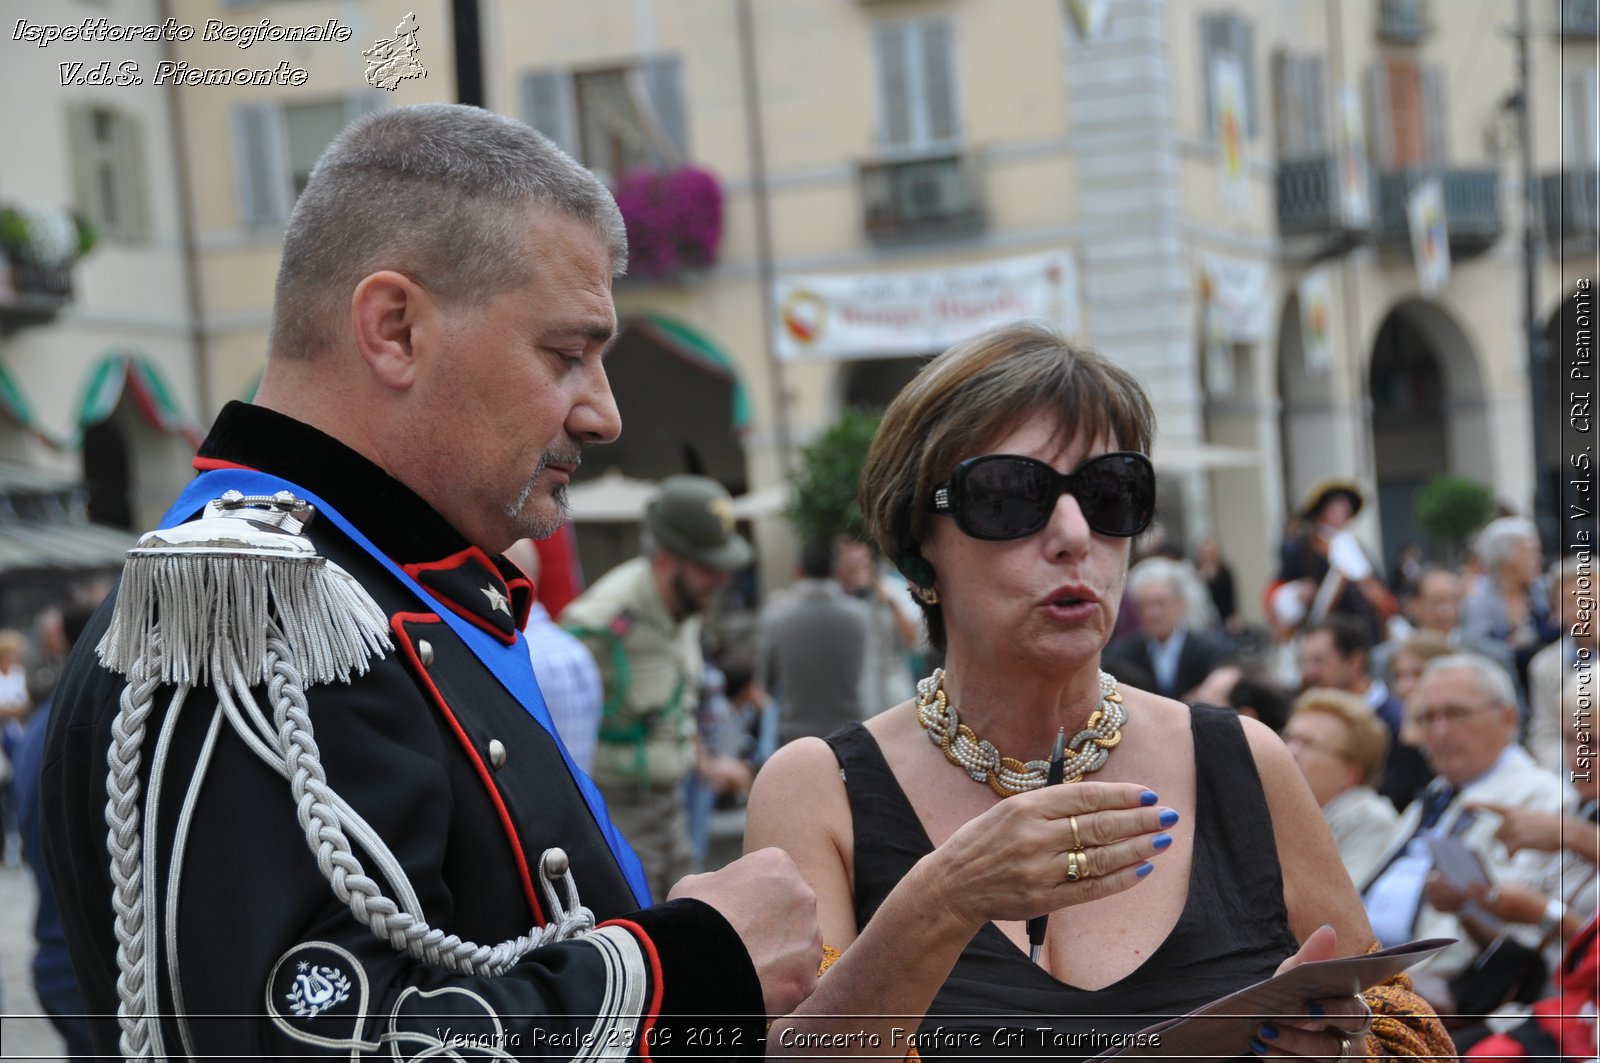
(1015, 861)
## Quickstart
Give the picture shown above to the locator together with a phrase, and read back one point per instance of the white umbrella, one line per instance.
(617, 499)
(611, 498)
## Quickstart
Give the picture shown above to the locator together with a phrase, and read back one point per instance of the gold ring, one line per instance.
(1077, 865)
(1077, 839)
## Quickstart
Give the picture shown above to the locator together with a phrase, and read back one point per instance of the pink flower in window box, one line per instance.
(674, 220)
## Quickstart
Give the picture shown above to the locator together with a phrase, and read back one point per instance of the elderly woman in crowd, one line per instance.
(1007, 480)
(1510, 605)
(1340, 744)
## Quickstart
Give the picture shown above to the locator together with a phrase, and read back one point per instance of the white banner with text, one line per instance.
(879, 315)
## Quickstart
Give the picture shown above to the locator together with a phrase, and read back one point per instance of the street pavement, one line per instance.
(25, 1034)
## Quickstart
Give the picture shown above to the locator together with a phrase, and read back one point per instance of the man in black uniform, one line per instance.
(309, 877)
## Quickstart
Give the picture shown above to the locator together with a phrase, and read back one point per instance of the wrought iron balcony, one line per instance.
(1403, 21)
(1571, 201)
(1311, 200)
(1471, 208)
(930, 197)
(31, 293)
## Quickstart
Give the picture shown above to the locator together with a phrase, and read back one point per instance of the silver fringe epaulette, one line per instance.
(200, 601)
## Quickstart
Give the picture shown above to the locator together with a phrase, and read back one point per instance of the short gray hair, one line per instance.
(1490, 679)
(1499, 539)
(436, 191)
(1159, 570)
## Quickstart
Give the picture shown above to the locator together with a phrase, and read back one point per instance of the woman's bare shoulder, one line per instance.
(799, 765)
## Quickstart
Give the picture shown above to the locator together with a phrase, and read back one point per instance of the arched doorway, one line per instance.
(1429, 415)
(683, 410)
(681, 402)
(108, 474)
(137, 447)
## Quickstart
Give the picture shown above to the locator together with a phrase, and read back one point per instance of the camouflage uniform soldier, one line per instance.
(642, 623)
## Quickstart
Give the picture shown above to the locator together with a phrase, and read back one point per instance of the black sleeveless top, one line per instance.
(1233, 930)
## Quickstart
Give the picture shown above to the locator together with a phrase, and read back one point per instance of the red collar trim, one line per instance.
(468, 610)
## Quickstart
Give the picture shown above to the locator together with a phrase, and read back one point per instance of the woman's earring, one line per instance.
(925, 595)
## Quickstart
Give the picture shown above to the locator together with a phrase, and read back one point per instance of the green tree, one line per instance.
(1450, 508)
(825, 480)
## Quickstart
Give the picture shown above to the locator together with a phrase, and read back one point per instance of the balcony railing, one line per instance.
(31, 293)
(1471, 208)
(1571, 202)
(1403, 21)
(930, 197)
(1311, 199)
(1579, 18)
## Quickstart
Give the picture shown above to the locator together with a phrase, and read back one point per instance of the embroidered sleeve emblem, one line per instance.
(316, 988)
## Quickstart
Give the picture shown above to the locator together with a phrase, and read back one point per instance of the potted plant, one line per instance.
(829, 471)
(1450, 508)
(42, 246)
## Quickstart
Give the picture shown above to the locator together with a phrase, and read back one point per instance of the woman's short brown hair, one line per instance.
(1368, 743)
(968, 397)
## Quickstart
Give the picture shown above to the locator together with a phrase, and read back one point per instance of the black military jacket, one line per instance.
(465, 788)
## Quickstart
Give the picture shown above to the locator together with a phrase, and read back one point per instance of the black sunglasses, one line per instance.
(1007, 496)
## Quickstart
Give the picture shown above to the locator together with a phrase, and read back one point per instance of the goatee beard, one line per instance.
(529, 525)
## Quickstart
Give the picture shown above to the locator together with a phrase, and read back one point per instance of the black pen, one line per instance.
(1058, 767)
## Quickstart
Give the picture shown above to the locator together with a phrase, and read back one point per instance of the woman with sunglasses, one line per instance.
(1189, 860)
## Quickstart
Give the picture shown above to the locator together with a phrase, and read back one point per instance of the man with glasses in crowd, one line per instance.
(1465, 711)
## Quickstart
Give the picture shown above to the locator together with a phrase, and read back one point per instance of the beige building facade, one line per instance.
(1170, 181)
(98, 350)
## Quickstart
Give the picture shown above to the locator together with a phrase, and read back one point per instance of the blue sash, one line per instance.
(509, 664)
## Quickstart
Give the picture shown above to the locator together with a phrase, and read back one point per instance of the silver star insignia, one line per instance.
(497, 601)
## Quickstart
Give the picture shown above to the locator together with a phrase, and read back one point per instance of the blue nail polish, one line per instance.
(1268, 1031)
(1163, 840)
(1316, 1010)
(1257, 1047)
(1144, 869)
(1169, 816)
(1148, 798)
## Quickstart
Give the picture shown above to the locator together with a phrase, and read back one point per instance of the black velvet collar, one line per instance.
(388, 512)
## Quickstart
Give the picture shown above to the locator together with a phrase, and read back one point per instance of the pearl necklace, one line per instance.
(1006, 775)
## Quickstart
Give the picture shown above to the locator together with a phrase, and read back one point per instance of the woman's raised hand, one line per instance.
(1040, 851)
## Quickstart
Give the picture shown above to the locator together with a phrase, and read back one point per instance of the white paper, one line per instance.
(1460, 866)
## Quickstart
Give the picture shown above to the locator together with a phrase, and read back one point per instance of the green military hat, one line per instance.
(692, 517)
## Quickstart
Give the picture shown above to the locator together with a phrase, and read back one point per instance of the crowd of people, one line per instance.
(417, 805)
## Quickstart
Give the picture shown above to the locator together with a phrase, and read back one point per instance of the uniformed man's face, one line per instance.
(520, 389)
